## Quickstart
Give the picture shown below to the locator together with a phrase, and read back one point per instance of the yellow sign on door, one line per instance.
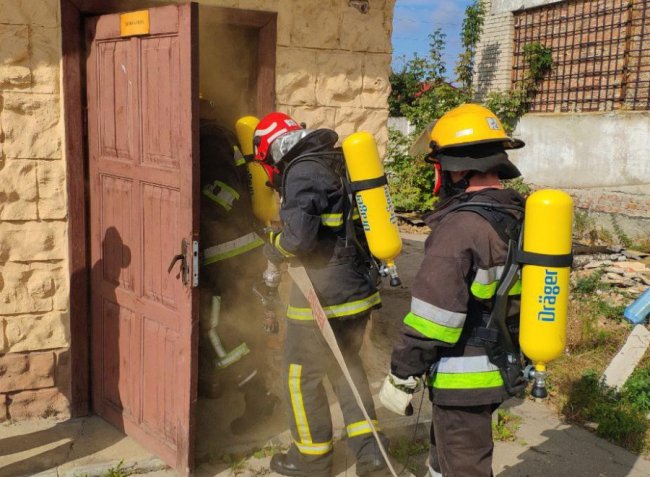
(134, 23)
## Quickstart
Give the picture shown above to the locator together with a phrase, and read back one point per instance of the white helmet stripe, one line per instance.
(262, 132)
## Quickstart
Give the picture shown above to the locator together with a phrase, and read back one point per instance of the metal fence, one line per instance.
(601, 54)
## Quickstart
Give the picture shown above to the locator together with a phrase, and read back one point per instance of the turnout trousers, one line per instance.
(307, 360)
(461, 441)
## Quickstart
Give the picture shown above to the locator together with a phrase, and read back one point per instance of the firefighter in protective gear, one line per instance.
(232, 339)
(442, 337)
(316, 220)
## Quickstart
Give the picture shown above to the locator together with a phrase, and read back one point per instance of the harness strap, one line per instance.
(543, 260)
(358, 186)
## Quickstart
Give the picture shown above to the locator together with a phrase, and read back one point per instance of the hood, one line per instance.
(499, 196)
(317, 140)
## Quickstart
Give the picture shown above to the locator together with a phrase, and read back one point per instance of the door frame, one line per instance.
(73, 13)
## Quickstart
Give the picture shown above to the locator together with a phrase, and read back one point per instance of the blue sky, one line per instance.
(414, 20)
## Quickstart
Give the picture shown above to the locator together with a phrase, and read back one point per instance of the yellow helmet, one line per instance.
(470, 124)
(471, 137)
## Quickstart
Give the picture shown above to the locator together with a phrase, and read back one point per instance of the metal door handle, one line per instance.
(181, 257)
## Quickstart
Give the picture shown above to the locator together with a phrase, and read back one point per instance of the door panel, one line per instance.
(143, 165)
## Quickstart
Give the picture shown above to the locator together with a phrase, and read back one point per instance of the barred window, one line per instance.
(601, 54)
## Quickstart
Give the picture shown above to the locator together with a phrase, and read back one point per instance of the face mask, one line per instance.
(285, 143)
(448, 188)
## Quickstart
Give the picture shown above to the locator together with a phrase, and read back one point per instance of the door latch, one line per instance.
(182, 258)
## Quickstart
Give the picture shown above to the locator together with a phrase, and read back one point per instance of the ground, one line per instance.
(542, 446)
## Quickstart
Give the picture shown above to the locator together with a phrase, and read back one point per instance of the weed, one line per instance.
(403, 448)
(267, 451)
(117, 471)
(620, 233)
(518, 185)
(642, 244)
(583, 223)
(237, 463)
(610, 312)
(618, 421)
(506, 425)
(636, 390)
(589, 284)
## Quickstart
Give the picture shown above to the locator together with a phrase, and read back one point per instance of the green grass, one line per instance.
(590, 283)
(621, 421)
(402, 449)
(506, 425)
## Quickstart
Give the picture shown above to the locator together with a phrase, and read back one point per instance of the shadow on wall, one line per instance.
(486, 70)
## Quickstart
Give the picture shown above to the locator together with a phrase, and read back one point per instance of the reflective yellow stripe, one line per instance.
(321, 448)
(295, 373)
(433, 330)
(488, 379)
(331, 220)
(238, 157)
(485, 292)
(232, 248)
(336, 311)
(360, 428)
(225, 197)
(276, 243)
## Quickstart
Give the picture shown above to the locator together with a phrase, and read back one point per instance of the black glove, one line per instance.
(273, 254)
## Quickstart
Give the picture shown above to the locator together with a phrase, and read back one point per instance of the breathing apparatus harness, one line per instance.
(494, 333)
(333, 161)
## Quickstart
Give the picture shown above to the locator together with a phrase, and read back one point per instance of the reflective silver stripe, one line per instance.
(487, 276)
(433, 473)
(233, 356)
(450, 319)
(247, 378)
(232, 248)
(465, 364)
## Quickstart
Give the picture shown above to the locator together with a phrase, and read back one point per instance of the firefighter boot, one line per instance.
(295, 464)
(369, 457)
(258, 406)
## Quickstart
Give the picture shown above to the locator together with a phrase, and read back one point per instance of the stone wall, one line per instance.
(34, 317)
(332, 63)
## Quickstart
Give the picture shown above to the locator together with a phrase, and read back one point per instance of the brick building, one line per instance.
(590, 121)
(324, 62)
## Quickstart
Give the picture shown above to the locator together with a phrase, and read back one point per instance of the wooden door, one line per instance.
(143, 171)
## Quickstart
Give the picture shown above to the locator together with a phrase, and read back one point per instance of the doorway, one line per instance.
(128, 220)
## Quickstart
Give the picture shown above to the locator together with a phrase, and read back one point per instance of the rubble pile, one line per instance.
(626, 270)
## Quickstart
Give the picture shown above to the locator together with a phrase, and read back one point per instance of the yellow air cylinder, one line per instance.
(545, 290)
(374, 204)
(263, 199)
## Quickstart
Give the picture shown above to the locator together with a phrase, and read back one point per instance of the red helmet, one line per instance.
(271, 127)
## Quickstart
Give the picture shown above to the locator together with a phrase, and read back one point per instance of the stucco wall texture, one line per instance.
(332, 71)
(34, 316)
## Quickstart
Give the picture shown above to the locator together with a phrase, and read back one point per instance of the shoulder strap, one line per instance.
(500, 216)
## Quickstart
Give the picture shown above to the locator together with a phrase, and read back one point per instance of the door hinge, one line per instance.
(195, 263)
